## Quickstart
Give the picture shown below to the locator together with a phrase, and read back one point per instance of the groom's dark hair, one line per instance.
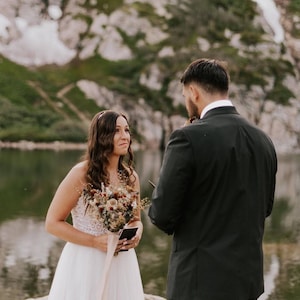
(210, 74)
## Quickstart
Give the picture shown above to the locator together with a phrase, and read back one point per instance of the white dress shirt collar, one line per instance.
(215, 104)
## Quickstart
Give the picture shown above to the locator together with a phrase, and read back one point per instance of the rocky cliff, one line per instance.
(129, 55)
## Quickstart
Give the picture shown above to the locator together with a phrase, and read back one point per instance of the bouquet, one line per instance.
(114, 206)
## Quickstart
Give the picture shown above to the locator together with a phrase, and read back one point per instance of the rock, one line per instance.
(96, 32)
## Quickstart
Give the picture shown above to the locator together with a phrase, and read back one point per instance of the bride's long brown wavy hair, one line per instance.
(100, 146)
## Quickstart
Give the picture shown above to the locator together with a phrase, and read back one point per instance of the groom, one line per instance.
(215, 189)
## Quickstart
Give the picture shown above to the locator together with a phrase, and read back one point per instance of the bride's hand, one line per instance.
(101, 242)
(126, 244)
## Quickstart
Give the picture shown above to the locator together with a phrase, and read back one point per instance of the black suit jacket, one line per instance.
(215, 189)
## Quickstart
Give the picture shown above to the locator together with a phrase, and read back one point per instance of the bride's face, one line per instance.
(121, 137)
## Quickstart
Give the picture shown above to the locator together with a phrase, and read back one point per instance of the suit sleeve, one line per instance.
(273, 171)
(170, 194)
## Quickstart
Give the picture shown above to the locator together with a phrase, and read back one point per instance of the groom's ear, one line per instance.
(194, 92)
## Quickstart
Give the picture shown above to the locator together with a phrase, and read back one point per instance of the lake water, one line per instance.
(28, 255)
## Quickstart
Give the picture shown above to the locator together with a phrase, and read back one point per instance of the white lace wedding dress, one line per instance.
(80, 270)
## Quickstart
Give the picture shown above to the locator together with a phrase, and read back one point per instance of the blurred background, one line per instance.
(61, 61)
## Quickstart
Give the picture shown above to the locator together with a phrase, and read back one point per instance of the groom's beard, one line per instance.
(192, 109)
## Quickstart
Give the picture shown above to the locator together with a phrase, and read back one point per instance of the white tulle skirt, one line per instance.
(79, 274)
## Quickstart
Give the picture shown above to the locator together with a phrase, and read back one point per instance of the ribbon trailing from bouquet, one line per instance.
(111, 247)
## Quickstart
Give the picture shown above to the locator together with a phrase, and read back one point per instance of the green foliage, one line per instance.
(251, 37)
(69, 131)
(280, 94)
(248, 75)
(96, 69)
(13, 84)
(88, 106)
(144, 10)
(87, 19)
(294, 9)
(245, 10)
(12, 115)
(36, 124)
(103, 5)
(244, 71)
(294, 6)
(26, 113)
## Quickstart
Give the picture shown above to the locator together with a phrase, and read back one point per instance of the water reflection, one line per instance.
(271, 274)
(288, 191)
(282, 248)
(28, 255)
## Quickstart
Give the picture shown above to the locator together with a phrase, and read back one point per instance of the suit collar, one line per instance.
(221, 110)
(215, 104)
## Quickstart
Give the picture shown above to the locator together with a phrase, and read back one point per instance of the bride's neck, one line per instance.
(113, 171)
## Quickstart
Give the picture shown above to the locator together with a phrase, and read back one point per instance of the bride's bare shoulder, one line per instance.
(79, 170)
(81, 166)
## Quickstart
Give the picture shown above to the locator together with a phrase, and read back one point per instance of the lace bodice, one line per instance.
(86, 221)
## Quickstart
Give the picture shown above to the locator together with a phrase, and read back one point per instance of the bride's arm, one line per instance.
(64, 200)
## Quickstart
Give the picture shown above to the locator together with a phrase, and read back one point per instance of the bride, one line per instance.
(93, 264)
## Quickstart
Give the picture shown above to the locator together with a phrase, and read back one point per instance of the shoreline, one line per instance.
(29, 145)
(55, 145)
(147, 297)
(63, 146)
